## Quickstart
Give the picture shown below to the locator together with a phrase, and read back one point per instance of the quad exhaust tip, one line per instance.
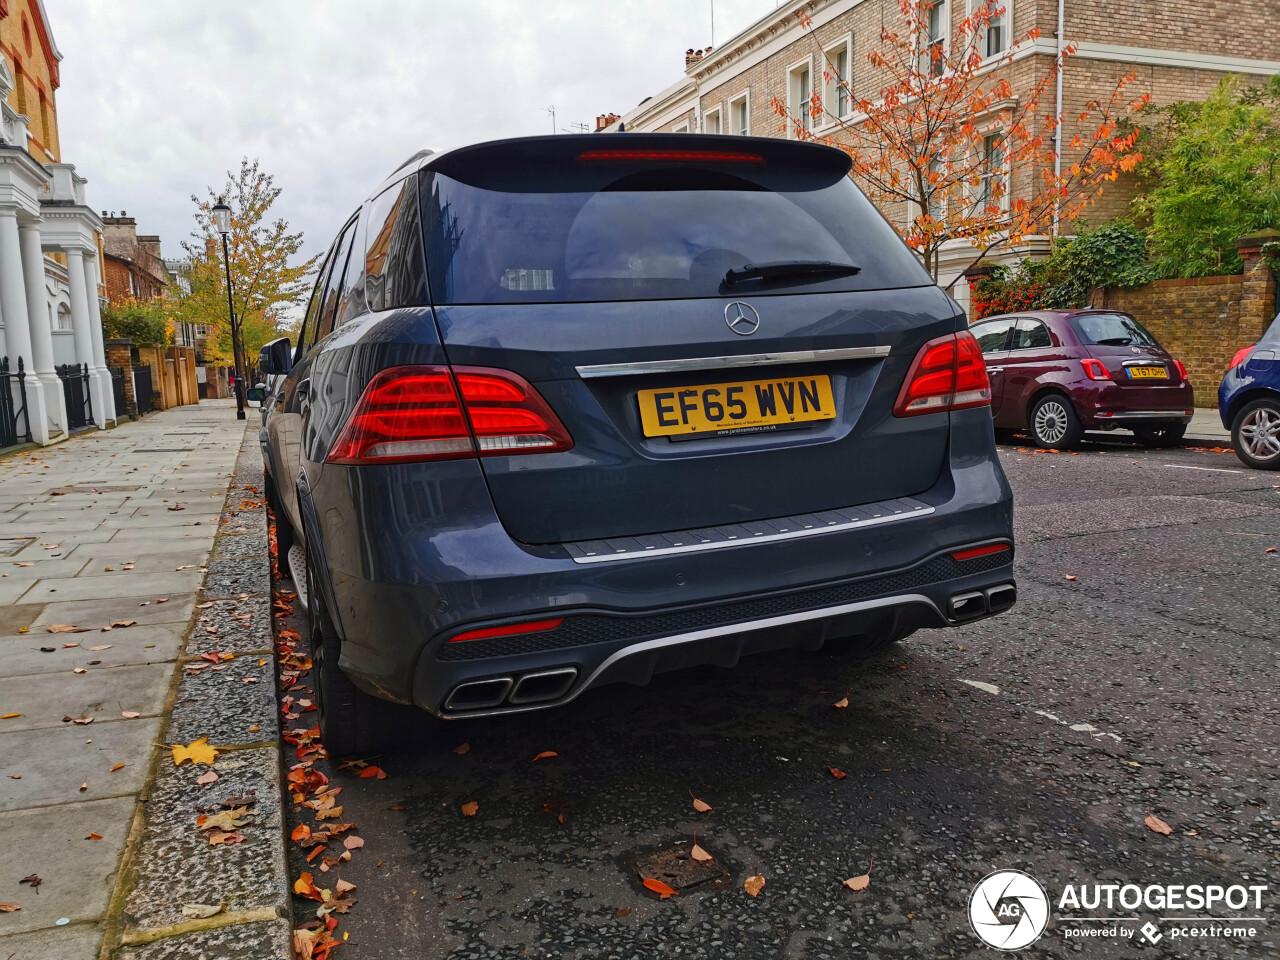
(973, 604)
(541, 686)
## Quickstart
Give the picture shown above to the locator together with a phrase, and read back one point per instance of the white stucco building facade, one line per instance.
(50, 314)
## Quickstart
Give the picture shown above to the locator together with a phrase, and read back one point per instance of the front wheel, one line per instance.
(1160, 434)
(1255, 434)
(1054, 424)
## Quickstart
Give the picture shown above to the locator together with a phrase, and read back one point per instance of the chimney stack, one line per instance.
(605, 120)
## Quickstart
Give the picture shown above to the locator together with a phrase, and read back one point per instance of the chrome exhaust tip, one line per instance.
(967, 606)
(543, 686)
(1002, 597)
(479, 694)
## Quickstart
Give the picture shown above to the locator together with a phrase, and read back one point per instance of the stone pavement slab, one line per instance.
(268, 940)
(23, 655)
(54, 844)
(107, 587)
(96, 614)
(101, 692)
(73, 942)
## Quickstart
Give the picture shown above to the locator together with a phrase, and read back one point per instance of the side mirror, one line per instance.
(276, 357)
(256, 394)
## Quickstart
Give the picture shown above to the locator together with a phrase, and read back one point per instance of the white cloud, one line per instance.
(158, 100)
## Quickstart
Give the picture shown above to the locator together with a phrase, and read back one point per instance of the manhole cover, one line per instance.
(675, 866)
(11, 545)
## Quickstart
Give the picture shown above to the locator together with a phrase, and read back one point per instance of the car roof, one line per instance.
(1049, 314)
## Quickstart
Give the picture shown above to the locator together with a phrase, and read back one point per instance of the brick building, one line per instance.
(133, 267)
(1179, 51)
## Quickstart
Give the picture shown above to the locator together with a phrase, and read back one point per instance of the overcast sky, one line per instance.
(158, 100)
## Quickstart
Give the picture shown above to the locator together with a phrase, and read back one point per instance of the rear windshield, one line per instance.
(1112, 330)
(626, 234)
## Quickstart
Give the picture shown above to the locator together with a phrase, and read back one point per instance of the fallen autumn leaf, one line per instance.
(663, 891)
(1158, 825)
(753, 885)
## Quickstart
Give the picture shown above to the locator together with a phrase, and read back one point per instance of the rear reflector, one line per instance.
(980, 551)
(435, 413)
(947, 374)
(1094, 370)
(667, 156)
(510, 630)
(1241, 355)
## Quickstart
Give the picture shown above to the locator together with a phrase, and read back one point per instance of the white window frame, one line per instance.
(743, 98)
(718, 114)
(681, 128)
(926, 59)
(1006, 27)
(831, 88)
(800, 110)
(1005, 173)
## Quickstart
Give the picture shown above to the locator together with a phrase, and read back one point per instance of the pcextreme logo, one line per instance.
(1010, 910)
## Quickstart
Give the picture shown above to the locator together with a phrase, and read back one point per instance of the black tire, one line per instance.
(352, 723)
(285, 537)
(1160, 434)
(1255, 434)
(1053, 423)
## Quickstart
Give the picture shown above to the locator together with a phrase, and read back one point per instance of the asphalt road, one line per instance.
(1138, 675)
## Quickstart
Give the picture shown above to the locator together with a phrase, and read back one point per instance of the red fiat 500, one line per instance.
(1057, 373)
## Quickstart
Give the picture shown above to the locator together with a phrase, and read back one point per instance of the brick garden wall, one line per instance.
(1197, 320)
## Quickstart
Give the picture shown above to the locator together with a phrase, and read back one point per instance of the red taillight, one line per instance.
(947, 374)
(682, 156)
(980, 551)
(1094, 369)
(1240, 357)
(511, 630)
(1182, 371)
(414, 413)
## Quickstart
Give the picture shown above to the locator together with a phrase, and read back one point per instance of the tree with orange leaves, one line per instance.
(947, 133)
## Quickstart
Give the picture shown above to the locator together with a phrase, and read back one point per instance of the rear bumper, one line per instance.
(405, 574)
(1101, 404)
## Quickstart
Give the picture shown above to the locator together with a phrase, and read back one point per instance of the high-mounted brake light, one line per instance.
(1095, 370)
(437, 413)
(980, 551)
(667, 156)
(1241, 356)
(947, 374)
(510, 630)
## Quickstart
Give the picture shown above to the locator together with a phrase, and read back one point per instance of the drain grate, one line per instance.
(674, 865)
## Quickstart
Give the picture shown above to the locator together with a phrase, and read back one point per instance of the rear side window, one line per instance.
(1112, 330)
(351, 301)
(307, 334)
(624, 232)
(992, 337)
(1031, 335)
(1273, 332)
(394, 275)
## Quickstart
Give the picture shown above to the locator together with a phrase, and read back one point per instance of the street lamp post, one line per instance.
(222, 221)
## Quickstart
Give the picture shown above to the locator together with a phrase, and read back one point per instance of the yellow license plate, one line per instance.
(1148, 373)
(717, 408)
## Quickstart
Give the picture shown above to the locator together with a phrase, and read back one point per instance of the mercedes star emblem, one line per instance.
(742, 318)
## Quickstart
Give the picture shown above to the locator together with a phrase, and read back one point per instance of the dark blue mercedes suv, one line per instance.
(568, 411)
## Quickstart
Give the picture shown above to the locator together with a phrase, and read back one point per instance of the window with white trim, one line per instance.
(994, 40)
(837, 102)
(800, 97)
(994, 186)
(682, 128)
(936, 42)
(711, 121)
(740, 115)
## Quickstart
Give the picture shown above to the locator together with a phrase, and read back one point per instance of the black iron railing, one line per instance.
(13, 405)
(75, 388)
(142, 389)
(117, 390)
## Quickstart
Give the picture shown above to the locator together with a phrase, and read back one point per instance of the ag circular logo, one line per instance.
(1008, 910)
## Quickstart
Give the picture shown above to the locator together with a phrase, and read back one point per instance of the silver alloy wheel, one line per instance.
(1260, 434)
(1051, 422)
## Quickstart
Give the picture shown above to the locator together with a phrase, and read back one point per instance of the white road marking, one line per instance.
(1184, 466)
(1088, 728)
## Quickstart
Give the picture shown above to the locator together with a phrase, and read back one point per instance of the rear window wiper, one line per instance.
(1114, 341)
(781, 269)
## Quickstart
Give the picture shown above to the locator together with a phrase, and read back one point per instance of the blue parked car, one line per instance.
(1249, 401)
(568, 411)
